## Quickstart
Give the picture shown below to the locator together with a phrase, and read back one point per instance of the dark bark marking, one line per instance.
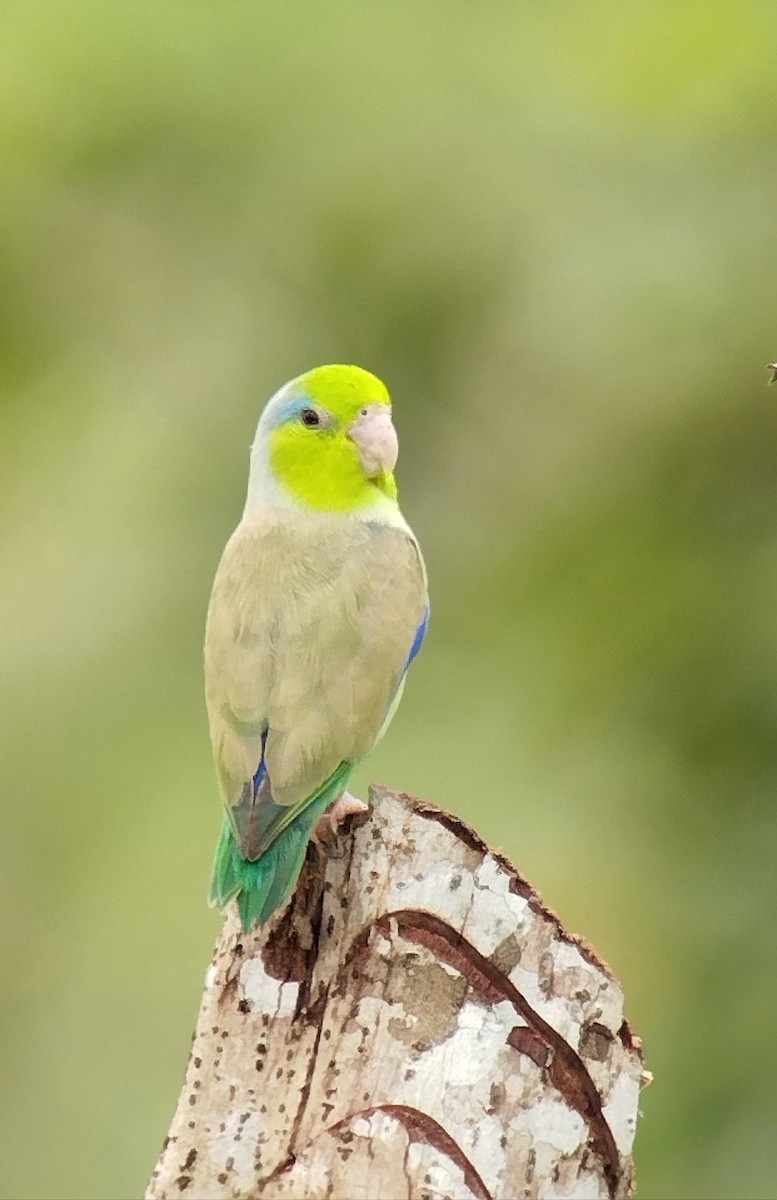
(566, 1069)
(526, 1041)
(421, 1127)
(595, 1041)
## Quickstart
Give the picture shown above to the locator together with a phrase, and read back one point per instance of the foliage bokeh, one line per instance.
(551, 229)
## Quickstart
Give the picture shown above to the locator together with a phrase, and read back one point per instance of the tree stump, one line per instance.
(415, 1023)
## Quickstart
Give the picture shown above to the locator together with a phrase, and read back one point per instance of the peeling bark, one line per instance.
(416, 1023)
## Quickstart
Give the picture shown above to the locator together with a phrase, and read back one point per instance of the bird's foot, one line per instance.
(344, 806)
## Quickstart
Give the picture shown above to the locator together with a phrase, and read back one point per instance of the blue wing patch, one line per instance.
(261, 770)
(418, 640)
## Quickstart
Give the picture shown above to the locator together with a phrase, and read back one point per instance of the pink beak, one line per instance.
(375, 438)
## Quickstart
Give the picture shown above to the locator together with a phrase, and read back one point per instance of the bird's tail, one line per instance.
(264, 885)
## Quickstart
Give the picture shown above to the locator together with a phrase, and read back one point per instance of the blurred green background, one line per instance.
(551, 229)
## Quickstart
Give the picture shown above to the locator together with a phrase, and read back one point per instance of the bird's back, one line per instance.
(309, 630)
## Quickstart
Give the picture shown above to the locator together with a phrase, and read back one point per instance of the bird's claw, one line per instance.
(344, 806)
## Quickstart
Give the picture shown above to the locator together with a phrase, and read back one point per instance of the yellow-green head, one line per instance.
(328, 441)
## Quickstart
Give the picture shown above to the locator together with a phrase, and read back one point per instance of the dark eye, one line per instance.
(310, 417)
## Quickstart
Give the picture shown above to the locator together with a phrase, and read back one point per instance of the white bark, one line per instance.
(415, 1024)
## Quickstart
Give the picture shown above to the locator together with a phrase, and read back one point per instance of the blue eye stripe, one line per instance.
(290, 409)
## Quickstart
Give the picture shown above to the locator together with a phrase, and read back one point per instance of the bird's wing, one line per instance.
(311, 628)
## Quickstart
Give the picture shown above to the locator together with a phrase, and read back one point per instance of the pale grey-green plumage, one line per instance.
(308, 634)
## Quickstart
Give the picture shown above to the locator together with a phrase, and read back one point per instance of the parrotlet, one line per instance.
(318, 608)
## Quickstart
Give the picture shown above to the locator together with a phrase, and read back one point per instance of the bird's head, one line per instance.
(326, 439)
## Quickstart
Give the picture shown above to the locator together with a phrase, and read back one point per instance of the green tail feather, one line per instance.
(263, 886)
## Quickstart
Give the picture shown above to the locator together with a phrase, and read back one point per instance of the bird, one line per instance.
(319, 606)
